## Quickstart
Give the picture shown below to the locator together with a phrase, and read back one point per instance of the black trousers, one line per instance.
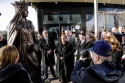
(46, 71)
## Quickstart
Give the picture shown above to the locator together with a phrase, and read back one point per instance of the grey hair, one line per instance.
(113, 29)
(68, 31)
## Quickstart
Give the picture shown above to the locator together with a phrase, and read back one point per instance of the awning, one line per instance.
(91, 1)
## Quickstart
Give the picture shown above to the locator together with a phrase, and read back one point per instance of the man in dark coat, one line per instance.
(103, 71)
(47, 46)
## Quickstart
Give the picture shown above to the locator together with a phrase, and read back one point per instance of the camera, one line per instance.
(85, 54)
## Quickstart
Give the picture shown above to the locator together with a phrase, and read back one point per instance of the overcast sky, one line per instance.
(7, 11)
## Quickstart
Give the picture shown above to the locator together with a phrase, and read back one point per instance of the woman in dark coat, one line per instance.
(116, 48)
(90, 40)
(10, 70)
(65, 60)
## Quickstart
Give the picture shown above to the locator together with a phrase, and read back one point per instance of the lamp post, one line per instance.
(96, 15)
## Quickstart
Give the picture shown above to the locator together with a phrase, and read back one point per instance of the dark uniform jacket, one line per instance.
(14, 74)
(47, 59)
(107, 72)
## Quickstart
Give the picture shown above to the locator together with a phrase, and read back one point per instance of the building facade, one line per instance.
(54, 15)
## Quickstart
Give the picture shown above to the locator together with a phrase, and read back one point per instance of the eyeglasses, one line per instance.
(73, 32)
(81, 34)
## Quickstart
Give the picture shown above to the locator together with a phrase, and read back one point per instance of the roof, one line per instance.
(122, 2)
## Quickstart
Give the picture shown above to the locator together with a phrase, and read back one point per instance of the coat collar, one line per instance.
(10, 70)
(107, 71)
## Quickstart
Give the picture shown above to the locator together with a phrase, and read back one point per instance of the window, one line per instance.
(70, 17)
(50, 17)
(60, 17)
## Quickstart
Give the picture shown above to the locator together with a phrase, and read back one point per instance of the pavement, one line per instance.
(122, 80)
(51, 79)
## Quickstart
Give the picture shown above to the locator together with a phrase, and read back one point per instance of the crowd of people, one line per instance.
(81, 57)
(79, 53)
(76, 61)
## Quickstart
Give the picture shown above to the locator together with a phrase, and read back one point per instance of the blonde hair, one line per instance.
(113, 42)
(91, 35)
(63, 35)
(8, 56)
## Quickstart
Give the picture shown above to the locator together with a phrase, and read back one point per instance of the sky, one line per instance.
(7, 12)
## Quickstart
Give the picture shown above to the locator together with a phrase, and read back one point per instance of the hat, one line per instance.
(102, 48)
(81, 32)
